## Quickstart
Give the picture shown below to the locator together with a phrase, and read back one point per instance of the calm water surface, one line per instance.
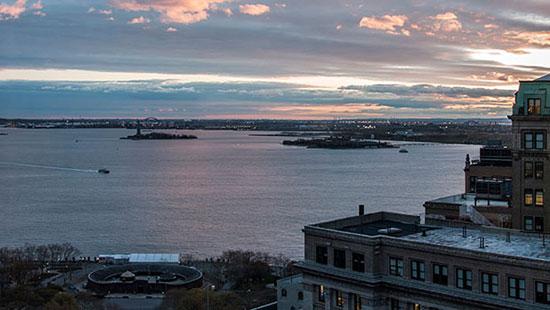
(226, 190)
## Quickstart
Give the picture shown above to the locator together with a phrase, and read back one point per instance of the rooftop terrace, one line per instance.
(470, 200)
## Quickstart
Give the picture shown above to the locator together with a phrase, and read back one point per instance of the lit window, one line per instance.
(528, 197)
(533, 106)
(489, 283)
(357, 302)
(516, 288)
(539, 198)
(321, 293)
(339, 298)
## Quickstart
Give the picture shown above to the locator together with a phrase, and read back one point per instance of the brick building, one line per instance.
(391, 261)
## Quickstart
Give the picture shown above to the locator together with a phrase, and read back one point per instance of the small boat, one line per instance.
(104, 171)
(403, 151)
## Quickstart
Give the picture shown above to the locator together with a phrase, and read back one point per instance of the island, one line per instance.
(339, 142)
(159, 136)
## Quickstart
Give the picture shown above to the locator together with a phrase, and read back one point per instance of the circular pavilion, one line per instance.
(143, 279)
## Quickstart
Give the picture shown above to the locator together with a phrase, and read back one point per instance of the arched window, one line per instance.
(300, 295)
(283, 292)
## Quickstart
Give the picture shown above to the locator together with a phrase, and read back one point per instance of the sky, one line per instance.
(248, 59)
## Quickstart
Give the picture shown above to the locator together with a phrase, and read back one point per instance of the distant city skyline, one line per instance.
(269, 59)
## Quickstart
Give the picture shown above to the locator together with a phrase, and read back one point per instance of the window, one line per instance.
(464, 279)
(394, 304)
(300, 295)
(528, 197)
(539, 141)
(528, 170)
(339, 298)
(283, 292)
(339, 258)
(528, 223)
(472, 185)
(542, 292)
(396, 266)
(494, 188)
(321, 255)
(516, 288)
(539, 223)
(358, 262)
(357, 302)
(539, 170)
(533, 106)
(489, 283)
(321, 293)
(482, 187)
(534, 140)
(528, 140)
(539, 198)
(440, 274)
(418, 270)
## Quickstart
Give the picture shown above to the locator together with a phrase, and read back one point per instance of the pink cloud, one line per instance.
(37, 5)
(529, 38)
(387, 23)
(446, 22)
(139, 20)
(12, 11)
(171, 11)
(254, 9)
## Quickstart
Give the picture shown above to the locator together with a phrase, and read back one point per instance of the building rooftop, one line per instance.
(384, 227)
(544, 78)
(470, 201)
(495, 241)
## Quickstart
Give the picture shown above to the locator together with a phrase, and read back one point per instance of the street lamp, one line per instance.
(210, 287)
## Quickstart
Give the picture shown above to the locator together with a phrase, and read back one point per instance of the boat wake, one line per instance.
(47, 167)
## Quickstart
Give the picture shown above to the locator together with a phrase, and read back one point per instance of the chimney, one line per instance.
(361, 209)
